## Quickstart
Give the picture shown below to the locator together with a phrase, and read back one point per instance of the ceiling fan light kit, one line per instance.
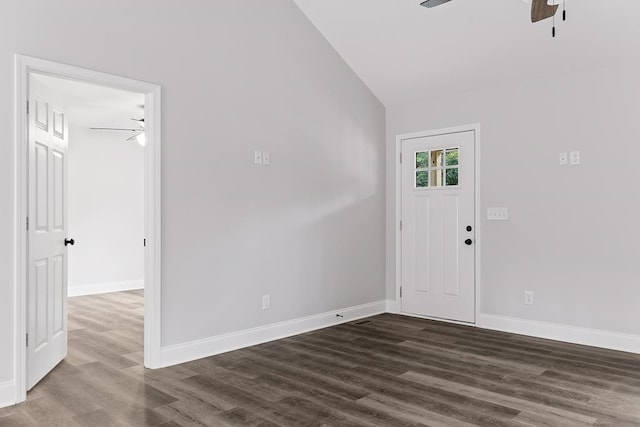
(540, 10)
(142, 139)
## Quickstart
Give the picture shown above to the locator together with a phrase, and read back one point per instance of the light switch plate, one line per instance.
(257, 157)
(564, 159)
(497, 214)
(266, 158)
(574, 158)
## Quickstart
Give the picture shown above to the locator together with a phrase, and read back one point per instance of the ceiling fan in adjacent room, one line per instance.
(138, 133)
(540, 9)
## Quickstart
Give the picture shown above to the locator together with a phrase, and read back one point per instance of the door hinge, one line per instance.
(144, 243)
(27, 340)
(27, 223)
(27, 107)
(400, 157)
(400, 291)
(400, 225)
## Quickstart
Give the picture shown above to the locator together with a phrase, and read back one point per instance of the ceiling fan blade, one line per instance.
(131, 138)
(140, 122)
(541, 9)
(118, 129)
(433, 3)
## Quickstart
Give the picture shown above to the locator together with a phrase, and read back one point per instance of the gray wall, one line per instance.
(237, 76)
(573, 234)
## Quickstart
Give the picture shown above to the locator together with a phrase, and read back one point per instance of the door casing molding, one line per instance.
(397, 307)
(24, 66)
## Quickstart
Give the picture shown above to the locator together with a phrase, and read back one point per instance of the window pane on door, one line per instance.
(436, 159)
(422, 159)
(452, 176)
(435, 178)
(422, 179)
(452, 157)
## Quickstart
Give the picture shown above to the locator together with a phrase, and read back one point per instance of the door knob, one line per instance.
(468, 242)
(68, 242)
(469, 228)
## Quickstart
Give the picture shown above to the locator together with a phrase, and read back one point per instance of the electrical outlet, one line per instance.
(266, 158)
(528, 297)
(257, 157)
(266, 302)
(564, 159)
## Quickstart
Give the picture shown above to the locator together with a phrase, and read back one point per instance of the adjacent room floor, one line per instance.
(387, 370)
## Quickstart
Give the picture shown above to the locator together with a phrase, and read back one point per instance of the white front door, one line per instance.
(438, 227)
(47, 224)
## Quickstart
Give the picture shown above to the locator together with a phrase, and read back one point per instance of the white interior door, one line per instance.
(438, 227)
(47, 231)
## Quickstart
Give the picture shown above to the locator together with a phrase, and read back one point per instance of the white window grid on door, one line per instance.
(436, 168)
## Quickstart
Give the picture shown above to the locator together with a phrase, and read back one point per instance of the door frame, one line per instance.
(476, 128)
(24, 66)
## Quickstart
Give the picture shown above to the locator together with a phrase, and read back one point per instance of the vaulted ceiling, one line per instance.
(404, 52)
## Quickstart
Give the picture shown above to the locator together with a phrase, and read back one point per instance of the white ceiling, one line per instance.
(90, 105)
(404, 52)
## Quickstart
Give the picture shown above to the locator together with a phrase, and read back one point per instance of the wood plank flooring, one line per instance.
(387, 370)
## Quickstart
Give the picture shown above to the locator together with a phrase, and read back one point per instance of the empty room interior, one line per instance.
(319, 213)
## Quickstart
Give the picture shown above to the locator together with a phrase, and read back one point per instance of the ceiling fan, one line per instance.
(138, 133)
(540, 9)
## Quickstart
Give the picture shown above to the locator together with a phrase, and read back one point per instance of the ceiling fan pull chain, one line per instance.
(553, 30)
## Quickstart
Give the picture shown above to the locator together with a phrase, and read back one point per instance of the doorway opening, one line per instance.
(97, 190)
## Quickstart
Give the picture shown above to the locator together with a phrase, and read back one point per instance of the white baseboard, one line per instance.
(103, 288)
(181, 353)
(553, 331)
(393, 306)
(7, 394)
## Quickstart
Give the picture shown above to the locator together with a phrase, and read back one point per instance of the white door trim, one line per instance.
(25, 65)
(398, 215)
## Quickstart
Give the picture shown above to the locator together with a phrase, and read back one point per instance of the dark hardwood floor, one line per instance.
(387, 370)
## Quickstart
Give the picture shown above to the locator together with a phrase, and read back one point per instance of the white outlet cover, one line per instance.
(266, 158)
(563, 159)
(574, 158)
(497, 214)
(266, 302)
(257, 157)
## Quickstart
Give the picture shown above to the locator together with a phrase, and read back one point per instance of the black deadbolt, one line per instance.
(468, 242)
(68, 242)
(469, 228)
